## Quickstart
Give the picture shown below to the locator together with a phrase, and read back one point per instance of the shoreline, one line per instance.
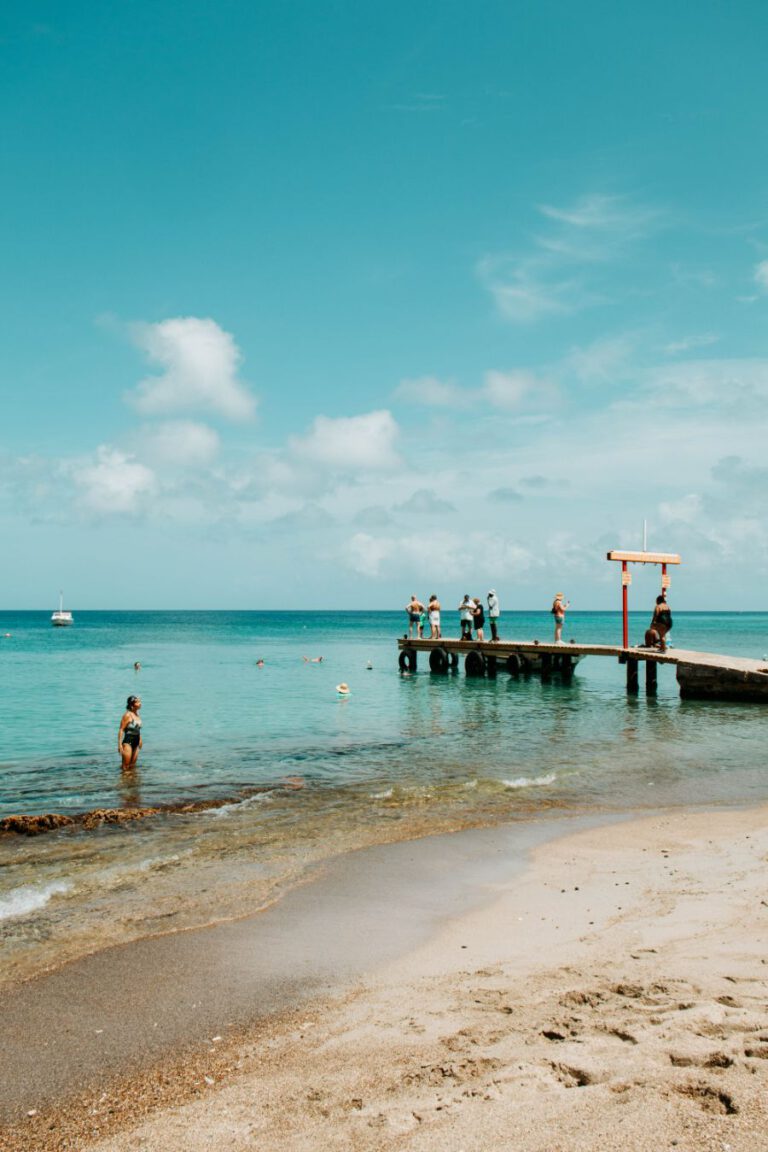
(422, 919)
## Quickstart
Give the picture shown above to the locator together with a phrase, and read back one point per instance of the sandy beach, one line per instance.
(610, 994)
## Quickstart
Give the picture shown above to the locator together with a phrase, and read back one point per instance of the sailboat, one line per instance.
(60, 618)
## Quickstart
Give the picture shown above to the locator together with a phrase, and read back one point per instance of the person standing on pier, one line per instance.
(661, 622)
(466, 616)
(479, 619)
(559, 606)
(494, 612)
(434, 617)
(414, 608)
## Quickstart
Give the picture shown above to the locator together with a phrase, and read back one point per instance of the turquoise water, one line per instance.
(306, 772)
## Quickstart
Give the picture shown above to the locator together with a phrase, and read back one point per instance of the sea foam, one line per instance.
(530, 781)
(29, 898)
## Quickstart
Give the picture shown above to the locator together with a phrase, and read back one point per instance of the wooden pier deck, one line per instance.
(700, 675)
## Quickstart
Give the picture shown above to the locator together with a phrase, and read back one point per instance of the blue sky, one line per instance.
(323, 304)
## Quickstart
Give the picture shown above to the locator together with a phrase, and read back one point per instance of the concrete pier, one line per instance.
(700, 675)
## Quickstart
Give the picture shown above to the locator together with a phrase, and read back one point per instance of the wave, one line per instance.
(30, 897)
(530, 781)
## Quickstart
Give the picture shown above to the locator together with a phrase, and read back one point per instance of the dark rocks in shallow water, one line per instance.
(101, 816)
(34, 825)
(98, 817)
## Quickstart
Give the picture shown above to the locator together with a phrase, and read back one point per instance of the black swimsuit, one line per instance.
(132, 733)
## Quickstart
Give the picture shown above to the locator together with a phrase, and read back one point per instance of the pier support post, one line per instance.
(546, 667)
(566, 667)
(632, 678)
(490, 667)
(650, 677)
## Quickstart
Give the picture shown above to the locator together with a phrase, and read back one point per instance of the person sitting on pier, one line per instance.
(559, 606)
(479, 619)
(434, 618)
(661, 622)
(494, 612)
(414, 608)
(466, 616)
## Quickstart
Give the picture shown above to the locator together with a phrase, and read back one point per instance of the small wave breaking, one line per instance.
(531, 781)
(30, 898)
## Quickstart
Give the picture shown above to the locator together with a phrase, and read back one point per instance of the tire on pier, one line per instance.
(474, 663)
(407, 660)
(438, 660)
(514, 664)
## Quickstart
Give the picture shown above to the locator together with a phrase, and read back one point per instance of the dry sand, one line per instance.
(611, 996)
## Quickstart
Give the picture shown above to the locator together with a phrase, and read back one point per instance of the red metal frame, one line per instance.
(638, 558)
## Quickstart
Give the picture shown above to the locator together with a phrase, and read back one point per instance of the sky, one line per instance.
(318, 305)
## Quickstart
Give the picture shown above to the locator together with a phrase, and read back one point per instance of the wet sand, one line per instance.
(436, 995)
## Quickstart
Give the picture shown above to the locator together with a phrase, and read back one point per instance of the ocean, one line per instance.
(283, 772)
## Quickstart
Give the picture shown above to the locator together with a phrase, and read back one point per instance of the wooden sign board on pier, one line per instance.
(644, 557)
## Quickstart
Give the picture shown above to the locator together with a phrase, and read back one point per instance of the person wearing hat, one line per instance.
(493, 613)
(559, 606)
(343, 688)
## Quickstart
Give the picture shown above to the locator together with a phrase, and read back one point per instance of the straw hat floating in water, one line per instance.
(342, 689)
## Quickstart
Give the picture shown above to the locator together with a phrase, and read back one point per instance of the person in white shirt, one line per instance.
(466, 616)
(494, 612)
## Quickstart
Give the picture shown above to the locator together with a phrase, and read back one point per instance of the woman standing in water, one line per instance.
(129, 734)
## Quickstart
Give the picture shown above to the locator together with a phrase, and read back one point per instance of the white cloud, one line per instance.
(602, 213)
(725, 384)
(114, 483)
(366, 554)
(557, 276)
(685, 345)
(509, 390)
(180, 443)
(351, 443)
(603, 361)
(199, 363)
(686, 510)
(458, 555)
(761, 275)
(524, 290)
(433, 392)
(424, 502)
(693, 277)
